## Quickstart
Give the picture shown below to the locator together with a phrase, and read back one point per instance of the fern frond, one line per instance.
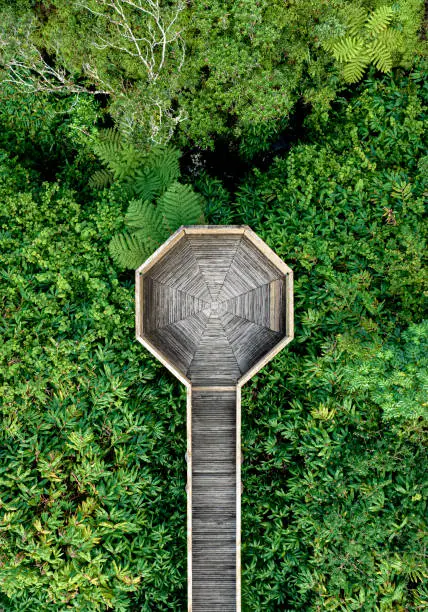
(161, 170)
(108, 145)
(143, 215)
(328, 45)
(126, 163)
(119, 155)
(393, 40)
(128, 250)
(381, 56)
(100, 179)
(180, 205)
(165, 161)
(379, 19)
(348, 48)
(354, 70)
(356, 21)
(146, 184)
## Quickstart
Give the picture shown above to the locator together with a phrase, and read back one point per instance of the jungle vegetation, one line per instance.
(111, 114)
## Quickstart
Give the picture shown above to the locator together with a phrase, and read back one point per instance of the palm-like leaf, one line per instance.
(144, 215)
(379, 19)
(129, 250)
(126, 163)
(100, 179)
(147, 184)
(160, 170)
(180, 205)
(109, 144)
(381, 56)
(348, 48)
(356, 21)
(354, 69)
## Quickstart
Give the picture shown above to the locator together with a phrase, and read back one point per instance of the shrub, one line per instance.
(148, 175)
(92, 433)
(334, 429)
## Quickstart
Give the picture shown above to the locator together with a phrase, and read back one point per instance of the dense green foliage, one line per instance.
(334, 503)
(396, 376)
(92, 435)
(150, 225)
(53, 135)
(368, 39)
(234, 67)
(149, 175)
(92, 428)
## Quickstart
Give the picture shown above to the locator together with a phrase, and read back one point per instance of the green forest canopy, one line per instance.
(92, 434)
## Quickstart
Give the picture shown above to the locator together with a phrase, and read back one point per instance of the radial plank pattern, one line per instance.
(214, 306)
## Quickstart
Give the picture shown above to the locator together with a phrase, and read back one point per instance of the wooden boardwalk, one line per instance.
(214, 304)
(214, 501)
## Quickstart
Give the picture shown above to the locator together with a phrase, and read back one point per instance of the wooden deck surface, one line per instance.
(213, 501)
(214, 308)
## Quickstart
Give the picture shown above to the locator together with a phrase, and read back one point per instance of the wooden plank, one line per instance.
(164, 359)
(164, 304)
(277, 305)
(214, 311)
(249, 341)
(138, 304)
(213, 361)
(212, 388)
(214, 254)
(179, 341)
(238, 493)
(213, 501)
(267, 251)
(181, 271)
(214, 229)
(264, 360)
(250, 269)
(253, 305)
(290, 305)
(161, 251)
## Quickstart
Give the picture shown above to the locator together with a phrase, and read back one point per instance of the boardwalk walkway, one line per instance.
(214, 304)
(214, 501)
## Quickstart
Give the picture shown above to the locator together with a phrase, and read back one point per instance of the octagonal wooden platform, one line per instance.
(214, 304)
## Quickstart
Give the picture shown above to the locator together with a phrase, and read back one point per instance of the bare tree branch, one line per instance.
(156, 127)
(150, 49)
(27, 68)
(138, 28)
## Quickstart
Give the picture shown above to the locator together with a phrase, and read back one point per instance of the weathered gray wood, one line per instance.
(249, 341)
(214, 257)
(216, 305)
(219, 276)
(165, 304)
(214, 361)
(264, 305)
(180, 340)
(249, 269)
(181, 271)
(213, 501)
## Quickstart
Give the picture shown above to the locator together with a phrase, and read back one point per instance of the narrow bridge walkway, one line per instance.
(214, 500)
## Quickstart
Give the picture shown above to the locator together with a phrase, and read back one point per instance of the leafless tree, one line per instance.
(151, 49)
